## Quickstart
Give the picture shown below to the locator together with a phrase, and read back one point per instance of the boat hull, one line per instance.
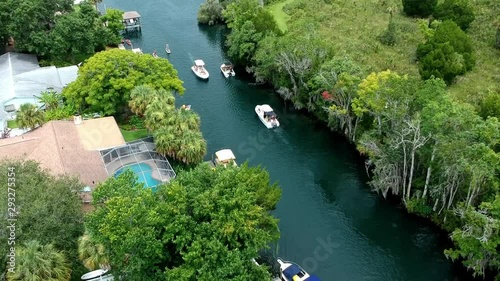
(266, 123)
(203, 76)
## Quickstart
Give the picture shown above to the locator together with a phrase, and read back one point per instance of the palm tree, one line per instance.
(91, 253)
(167, 141)
(35, 261)
(29, 117)
(192, 148)
(187, 120)
(157, 114)
(140, 98)
(50, 98)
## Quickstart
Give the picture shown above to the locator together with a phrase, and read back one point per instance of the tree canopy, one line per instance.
(48, 210)
(207, 224)
(419, 8)
(447, 54)
(459, 11)
(106, 79)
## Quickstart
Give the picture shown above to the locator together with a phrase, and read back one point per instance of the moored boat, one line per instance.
(267, 116)
(137, 51)
(199, 69)
(227, 70)
(155, 55)
(290, 271)
(167, 49)
(224, 158)
(100, 274)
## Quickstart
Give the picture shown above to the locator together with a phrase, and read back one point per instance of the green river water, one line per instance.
(330, 222)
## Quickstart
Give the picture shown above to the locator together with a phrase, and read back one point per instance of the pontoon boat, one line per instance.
(267, 116)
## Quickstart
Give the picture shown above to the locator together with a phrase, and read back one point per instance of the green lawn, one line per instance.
(134, 135)
(352, 28)
(12, 124)
(279, 15)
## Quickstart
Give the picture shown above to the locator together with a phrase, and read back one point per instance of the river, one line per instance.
(329, 220)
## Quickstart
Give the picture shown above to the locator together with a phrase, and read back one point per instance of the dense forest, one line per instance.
(414, 85)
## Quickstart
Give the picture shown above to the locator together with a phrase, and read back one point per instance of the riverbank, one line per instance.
(401, 123)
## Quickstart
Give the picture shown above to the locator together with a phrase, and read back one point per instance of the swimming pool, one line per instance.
(143, 172)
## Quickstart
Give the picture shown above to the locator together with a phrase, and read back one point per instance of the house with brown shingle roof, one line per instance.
(68, 147)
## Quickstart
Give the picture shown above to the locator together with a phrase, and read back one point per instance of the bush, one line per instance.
(419, 8)
(447, 54)
(389, 36)
(459, 11)
(210, 12)
(490, 106)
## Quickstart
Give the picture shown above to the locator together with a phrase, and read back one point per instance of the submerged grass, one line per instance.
(353, 28)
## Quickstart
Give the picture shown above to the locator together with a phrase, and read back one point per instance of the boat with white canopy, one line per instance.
(199, 69)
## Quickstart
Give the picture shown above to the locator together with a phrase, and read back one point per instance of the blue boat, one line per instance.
(290, 271)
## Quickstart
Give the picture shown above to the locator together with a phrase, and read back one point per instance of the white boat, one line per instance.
(167, 49)
(227, 70)
(267, 116)
(224, 158)
(290, 271)
(121, 47)
(98, 275)
(199, 69)
(155, 55)
(137, 51)
(186, 107)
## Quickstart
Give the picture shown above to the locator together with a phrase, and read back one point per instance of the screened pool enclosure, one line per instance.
(139, 156)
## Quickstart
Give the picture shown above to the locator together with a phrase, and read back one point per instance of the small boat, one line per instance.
(186, 107)
(155, 55)
(137, 51)
(199, 69)
(267, 116)
(100, 274)
(227, 70)
(128, 42)
(224, 157)
(290, 271)
(121, 47)
(167, 49)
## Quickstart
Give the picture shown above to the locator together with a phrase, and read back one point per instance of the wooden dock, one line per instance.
(132, 21)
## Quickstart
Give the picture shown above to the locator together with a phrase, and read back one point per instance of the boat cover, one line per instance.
(199, 63)
(224, 155)
(291, 271)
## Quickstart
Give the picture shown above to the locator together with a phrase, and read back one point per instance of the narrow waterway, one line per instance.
(329, 221)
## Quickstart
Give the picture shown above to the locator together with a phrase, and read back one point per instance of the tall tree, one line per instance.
(140, 97)
(49, 210)
(32, 21)
(40, 262)
(190, 229)
(105, 80)
(29, 116)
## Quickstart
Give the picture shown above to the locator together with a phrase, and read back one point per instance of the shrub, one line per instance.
(210, 12)
(419, 8)
(490, 106)
(447, 54)
(389, 36)
(459, 11)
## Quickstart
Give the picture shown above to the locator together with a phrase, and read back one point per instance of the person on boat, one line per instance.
(128, 42)
(154, 53)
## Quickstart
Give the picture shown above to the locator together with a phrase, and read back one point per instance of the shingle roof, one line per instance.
(57, 147)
